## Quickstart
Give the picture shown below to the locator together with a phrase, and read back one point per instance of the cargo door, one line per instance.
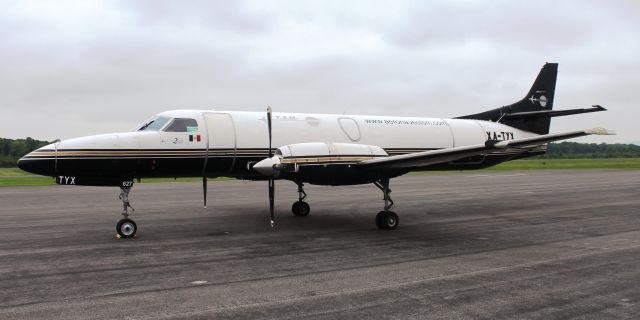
(221, 143)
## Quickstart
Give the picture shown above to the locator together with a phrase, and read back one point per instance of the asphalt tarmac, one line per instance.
(510, 245)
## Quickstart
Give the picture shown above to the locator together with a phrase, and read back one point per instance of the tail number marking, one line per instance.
(495, 135)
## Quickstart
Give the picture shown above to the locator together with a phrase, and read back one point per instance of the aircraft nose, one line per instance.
(22, 164)
(38, 162)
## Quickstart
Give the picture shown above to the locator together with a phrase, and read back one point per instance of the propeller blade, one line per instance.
(272, 187)
(269, 124)
(204, 190)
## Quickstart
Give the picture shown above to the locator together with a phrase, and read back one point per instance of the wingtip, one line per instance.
(600, 131)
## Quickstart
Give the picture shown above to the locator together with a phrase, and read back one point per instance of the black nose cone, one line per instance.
(45, 167)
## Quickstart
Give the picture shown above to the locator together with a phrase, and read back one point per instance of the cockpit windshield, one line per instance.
(182, 125)
(154, 124)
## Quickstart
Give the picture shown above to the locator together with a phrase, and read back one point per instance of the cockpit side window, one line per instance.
(155, 124)
(182, 125)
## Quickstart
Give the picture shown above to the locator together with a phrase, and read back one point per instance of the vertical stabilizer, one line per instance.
(539, 98)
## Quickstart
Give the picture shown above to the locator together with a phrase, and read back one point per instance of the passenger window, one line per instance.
(182, 125)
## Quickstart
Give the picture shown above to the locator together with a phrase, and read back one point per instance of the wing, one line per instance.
(421, 159)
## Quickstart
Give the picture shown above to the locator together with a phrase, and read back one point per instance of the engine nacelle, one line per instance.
(318, 162)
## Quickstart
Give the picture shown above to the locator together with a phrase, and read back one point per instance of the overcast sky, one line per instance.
(75, 68)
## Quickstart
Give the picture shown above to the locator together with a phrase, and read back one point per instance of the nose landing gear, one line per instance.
(126, 227)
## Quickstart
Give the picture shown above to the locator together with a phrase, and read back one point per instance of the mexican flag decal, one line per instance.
(195, 137)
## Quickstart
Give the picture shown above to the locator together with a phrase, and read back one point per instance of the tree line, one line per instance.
(574, 150)
(11, 150)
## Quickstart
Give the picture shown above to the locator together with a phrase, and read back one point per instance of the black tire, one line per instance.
(300, 209)
(304, 209)
(295, 208)
(387, 220)
(126, 228)
(378, 218)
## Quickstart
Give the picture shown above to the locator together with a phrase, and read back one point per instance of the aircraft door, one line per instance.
(221, 143)
(350, 128)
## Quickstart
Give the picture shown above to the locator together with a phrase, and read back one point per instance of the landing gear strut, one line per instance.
(301, 208)
(126, 227)
(386, 219)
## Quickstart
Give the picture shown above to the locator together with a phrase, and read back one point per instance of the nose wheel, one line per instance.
(126, 228)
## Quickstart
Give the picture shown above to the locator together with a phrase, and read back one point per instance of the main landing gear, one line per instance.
(301, 208)
(386, 219)
(126, 227)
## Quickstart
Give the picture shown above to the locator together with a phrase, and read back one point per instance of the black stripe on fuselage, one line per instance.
(45, 154)
(174, 153)
(181, 166)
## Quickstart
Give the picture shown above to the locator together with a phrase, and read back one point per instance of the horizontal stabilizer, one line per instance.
(601, 132)
(550, 113)
(538, 140)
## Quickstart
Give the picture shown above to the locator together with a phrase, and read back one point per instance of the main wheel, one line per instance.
(126, 228)
(300, 209)
(378, 218)
(387, 220)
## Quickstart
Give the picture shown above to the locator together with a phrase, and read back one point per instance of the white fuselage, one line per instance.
(228, 143)
(248, 130)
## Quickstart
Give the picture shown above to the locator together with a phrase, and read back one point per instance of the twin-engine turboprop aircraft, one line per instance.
(309, 148)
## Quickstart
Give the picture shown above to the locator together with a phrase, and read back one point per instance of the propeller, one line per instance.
(204, 190)
(204, 176)
(272, 186)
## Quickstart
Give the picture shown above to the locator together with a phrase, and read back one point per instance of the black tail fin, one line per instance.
(539, 98)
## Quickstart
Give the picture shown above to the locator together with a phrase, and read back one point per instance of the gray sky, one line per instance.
(74, 68)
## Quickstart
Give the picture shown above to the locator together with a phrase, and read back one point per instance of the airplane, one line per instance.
(321, 149)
